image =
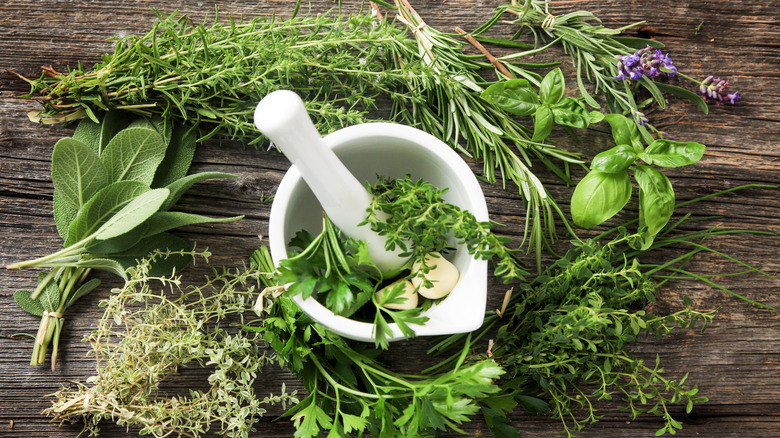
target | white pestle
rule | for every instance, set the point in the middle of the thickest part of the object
(281, 116)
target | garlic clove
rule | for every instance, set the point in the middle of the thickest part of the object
(410, 293)
(444, 277)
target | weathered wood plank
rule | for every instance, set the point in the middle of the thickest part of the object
(736, 362)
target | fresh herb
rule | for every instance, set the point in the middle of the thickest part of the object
(548, 106)
(416, 218)
(351, 392)
(114, 183)
(565, 339)
(213, 75)
(606, 189)
(152, 329)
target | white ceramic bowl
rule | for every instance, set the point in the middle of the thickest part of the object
(394, 151)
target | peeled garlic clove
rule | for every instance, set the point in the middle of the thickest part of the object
(409, 293)
(444, 277)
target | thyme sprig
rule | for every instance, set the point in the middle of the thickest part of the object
(152, 328)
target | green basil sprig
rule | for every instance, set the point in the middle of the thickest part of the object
(607, 188)
(547, 106)
(114, 182)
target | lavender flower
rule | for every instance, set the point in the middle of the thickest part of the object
(647, 61)
(714, 88)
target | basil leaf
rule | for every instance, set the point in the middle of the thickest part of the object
(103, 206)
(162, 266)
(571, 112)
(181, 185)
(167, 220)
(552, 87)
(656, 202)
(178, 157)
(134, 155)
(133, 214)
(515, 96)
(598, 197)
(669, 153)
(97, 135)
(624, 131)
(84, 289)
(76, 172)
(617, 159)
(33, 307)
(543, 123)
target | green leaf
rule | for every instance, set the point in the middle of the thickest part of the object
(119, 243)
(168, 220)
(353, 423)
(133, 214)
(98, 135)
(614, 160)
(156, 123)
(163, 266)
(134, 155)
(178, 157)
(181, 185)
(515, 96)
(598, 197)
(33, 307)
(103, 206)
(76, 172)
(50, 295)
(64, 214)
(552, 87)
(543, 123)
(532, 404)
(656, 202)
(84, 289)
(684, 93)
(624, 131)
(310, 420)
(669, 153)
(571, 112)
(104, 264)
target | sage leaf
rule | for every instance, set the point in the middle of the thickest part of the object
(599, 196)
(617, 159)
(133, 214)
(50, 295)
(669, 153)
(685, 93)
(167, 220)
(97, 135)
(119, 243)
(543, 123)
(156, 123)
(76, 171)
(181, 185)
(104, 264)
(552, 87)
(515, 96)
(33, 307)
(656, 202)
(64, 214)
(178, 157)
(84, 289)
(133, 155)
(103, 206)
(163, 265)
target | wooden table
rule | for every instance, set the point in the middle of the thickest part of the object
(736, 362)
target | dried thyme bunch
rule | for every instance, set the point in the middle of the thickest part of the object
(147, 334)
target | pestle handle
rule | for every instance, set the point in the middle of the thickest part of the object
(281, 116)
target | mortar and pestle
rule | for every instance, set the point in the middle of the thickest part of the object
(329, 174)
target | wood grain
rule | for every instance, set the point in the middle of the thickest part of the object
(736, 362)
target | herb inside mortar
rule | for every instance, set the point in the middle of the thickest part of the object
(114, 184)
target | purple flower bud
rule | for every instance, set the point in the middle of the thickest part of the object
(713, 88)
(647, 61)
